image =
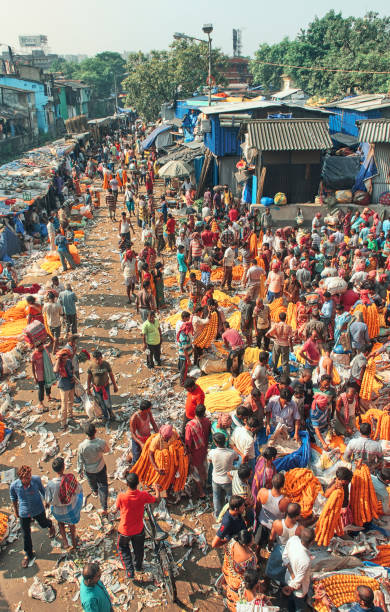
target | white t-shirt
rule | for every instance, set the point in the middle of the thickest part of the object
(243, 440)
(228, 258)
(205, 212)
(222, 460)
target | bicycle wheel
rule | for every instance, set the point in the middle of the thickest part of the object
(168, 576)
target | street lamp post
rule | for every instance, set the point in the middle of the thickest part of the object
(207, 29)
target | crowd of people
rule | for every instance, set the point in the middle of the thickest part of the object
(312, 302)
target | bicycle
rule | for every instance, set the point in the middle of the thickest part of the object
(162, 553)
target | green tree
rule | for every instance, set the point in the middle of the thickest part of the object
(98, 72)
(162, 76)
(352, 43)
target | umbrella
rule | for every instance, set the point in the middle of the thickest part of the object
(175, 169)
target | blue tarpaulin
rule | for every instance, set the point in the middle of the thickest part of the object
(9, 244)
(149, 140)
(297, 459)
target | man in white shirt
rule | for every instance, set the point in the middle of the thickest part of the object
(222, 460)
(296, 559)
(243, 441)
(228, 261)
(206, 212)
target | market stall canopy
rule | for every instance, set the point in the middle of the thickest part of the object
(174, 169)
(149, 140)
(185, 152)
(289, 134)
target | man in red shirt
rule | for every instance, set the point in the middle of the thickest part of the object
(195, 396)
(131, 525)
(171, 224)
(207, 239)
(233, 213)
(284, 383)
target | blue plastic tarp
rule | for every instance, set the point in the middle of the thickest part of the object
(9, 245)
(298, 459)
(149, 140)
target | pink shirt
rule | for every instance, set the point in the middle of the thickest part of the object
(311, 350)
(233, 338)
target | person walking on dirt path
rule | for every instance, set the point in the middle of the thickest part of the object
(68, 300)
(141, 424)
(145, 301)
(111, 204)
(63, 252)
(152, 340)
(26, 494)
(53, 312)
(125, 226)
(99, 376)
(65, 495)
(130, 272)
(90, 461)
(131, 505)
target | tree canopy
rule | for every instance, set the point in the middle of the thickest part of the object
(161, 76)
(98, 72)
(351, 43)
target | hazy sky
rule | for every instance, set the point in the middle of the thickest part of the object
(90, 26)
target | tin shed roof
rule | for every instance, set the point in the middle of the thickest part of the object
(289, 134)
(374, 130)
(363, 103)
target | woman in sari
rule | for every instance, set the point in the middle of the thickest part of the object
(33, 310)
(264, 471)
(65, 495)
(239, 557)
(197, 434)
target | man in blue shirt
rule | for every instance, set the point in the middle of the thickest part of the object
(63, 252)
(68, 301)
(93, 593)
(26, 494)
(327, 308)
(232, 522)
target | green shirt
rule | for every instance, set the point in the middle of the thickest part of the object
(95, 598)
(151, 333)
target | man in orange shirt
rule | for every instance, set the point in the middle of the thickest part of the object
(131, 525)
(195, 396)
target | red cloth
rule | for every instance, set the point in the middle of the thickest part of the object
(207, 238)
(68, 486)
(233, 214)
(274, 390)
(131, 506)
(193, 399)
(348, 299)
(171, 223)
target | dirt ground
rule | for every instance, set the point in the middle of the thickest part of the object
(102, 293)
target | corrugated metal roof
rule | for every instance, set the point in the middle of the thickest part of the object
(284, 93)
(362, 103)
(233, 107)
(289, 134)
(374, 130)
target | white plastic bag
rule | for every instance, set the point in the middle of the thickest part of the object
(91, 407)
